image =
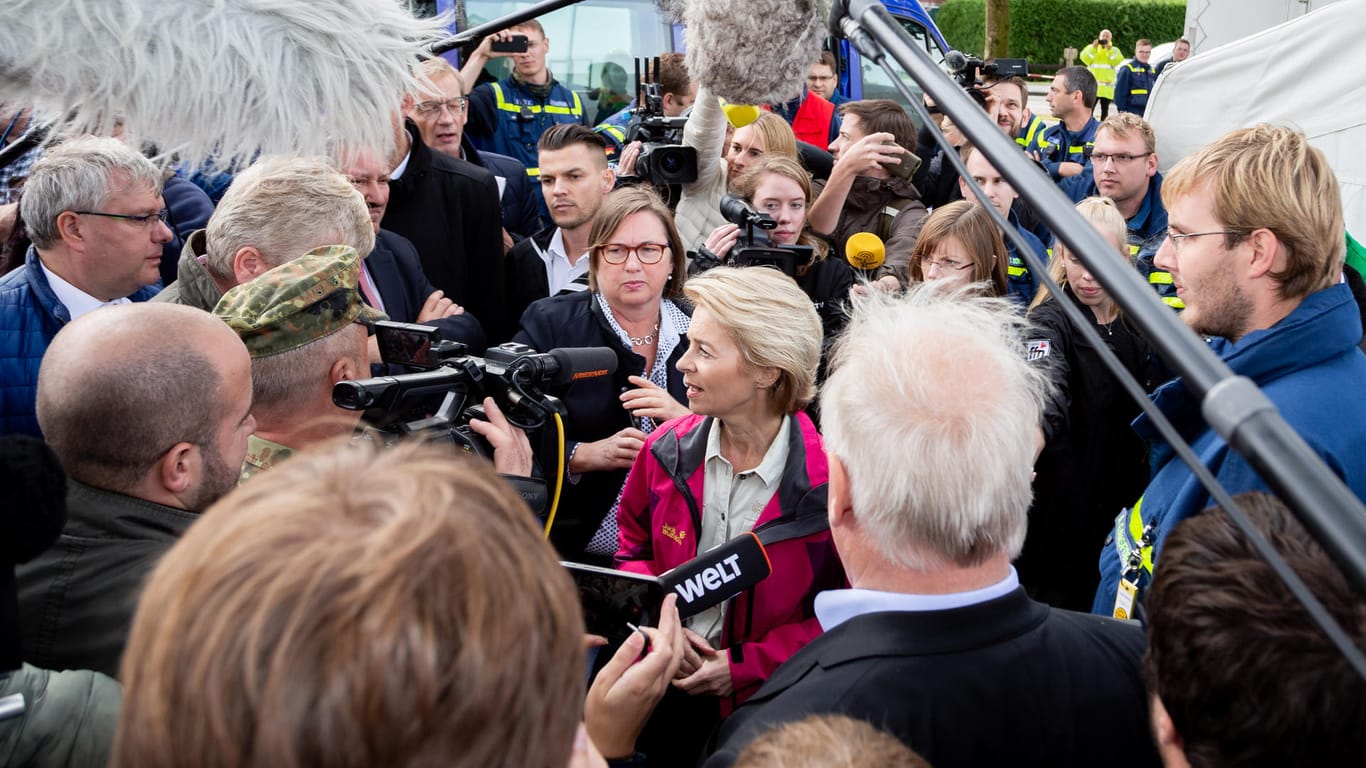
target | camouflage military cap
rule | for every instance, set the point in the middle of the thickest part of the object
(298, 302)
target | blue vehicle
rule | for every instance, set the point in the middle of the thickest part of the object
(594, 44)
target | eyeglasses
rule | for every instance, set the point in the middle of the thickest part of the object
(144, 219)
(1177, 240)
(945, 265)
(455, 106)
(1099, 158)
(647, 253)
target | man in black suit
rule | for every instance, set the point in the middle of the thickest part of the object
(449, 209)
(936, 642)
(392, 279)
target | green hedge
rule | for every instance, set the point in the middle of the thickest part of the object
(1041, 29)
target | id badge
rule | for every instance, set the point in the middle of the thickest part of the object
(1124, 599)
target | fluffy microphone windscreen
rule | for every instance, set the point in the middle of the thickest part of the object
(215, 78)
(756, 51)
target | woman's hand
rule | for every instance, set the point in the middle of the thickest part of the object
(722, 239)
(651, 401)
(713, 677)
(615, 452)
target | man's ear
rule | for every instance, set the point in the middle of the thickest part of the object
(406, 104)
(1268, 254)
(344, 369)
(70, 228)
(248, 264)
(1170, 745)
(609, 180)
(179, 468)
(839, 504)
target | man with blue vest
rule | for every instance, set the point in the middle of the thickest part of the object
(1136, 78)
(95, 214)
(1257, 255)
(1124, 168)
(508, 116)
(1064, 149)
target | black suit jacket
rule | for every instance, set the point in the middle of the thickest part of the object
(403, 288)
(522, 202)
(1008, 682)
(449, 209)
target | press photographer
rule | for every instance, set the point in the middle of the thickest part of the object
(668, 95)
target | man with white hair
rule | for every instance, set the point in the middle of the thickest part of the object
(936, 642)
(95, 214)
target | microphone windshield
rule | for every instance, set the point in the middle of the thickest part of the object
(955, 61)
(582, 363)
(865, 251)
(752, 53)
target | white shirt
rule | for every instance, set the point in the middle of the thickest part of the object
(559, 273)
(397, 173)
(731, 504)
(76, 301)
(836, 606)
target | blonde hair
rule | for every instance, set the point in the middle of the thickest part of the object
(1126, 124)
(972, 226)
(1104, 215)
(772, 322)
(1270, 177)
(405, 611)
(828, 741)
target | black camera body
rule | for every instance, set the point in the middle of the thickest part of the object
(663, 160)
(755, 247)
(970, 70)
(449, 387)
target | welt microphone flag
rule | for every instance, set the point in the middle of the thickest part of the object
(718, 574)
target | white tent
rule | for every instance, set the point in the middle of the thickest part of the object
(1309, 73)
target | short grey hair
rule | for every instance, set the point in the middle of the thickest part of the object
(772, 321)
(933, 409)
(289, 380)
(80, 175)
(285, 207)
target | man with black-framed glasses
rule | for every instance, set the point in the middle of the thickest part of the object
(94, 212)
(1124, 168)
(1255, 250)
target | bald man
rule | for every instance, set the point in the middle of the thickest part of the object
(152, 428)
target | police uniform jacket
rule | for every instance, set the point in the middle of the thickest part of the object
(508, 118)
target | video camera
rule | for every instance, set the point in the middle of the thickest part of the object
(663, 159)
(440, 399)
(967, 71)
(755, 247)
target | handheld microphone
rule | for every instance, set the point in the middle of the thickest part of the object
(865, 251)
(718, 575)
(758, 56)
(569, 364)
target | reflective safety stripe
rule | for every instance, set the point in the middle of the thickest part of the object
(1138, 91)
(533, 172)
(1017, 271)
(1160, 278)
(502, 103)
(1133, 249)
(612, 131)
(1174, 302)
(1136, 531)
(1028, 138)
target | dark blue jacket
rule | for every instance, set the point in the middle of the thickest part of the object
(522, 203)
(1310, 367)
(1057, 145)
(403, 287)
(595, 410)
(188, 209)
(1133, 86)
(1020, 279)
(507, 118)
(30, 315)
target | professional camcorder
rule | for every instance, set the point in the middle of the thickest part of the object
(663, 159)
(449, 389)
(755, 247)
(969, 70)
